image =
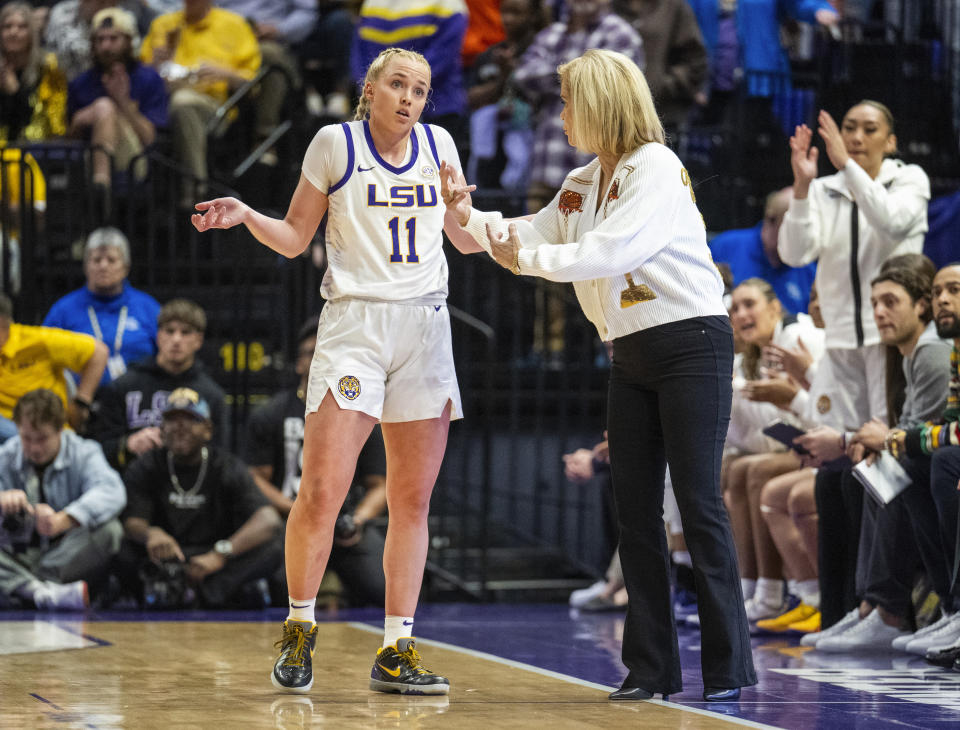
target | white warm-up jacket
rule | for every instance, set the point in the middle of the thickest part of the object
(892, 219)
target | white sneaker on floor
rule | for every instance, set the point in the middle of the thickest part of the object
(843, 624)
(867, 634)
(901, 643)
(947, 634)
(584, 595)
(758, 610)
(70, 596)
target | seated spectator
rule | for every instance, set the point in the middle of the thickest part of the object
(928, 451)
(788, 506)
(787, 502)
(902, 535)
(194, 510)
(35, 357)
(676, 59)
(760, 322)
(752, 252)
(589, 25)
(325, 58)
(119, 103)
(204, 53)
(60, 503)
(33, 90)
(279, 26)
(33, 94)
(501, 124)
(111, 310)
(274, 453)
(68, 29)
(130, 409)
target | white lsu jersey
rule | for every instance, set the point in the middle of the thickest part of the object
(384, 224)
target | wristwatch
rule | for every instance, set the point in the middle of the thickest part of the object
(223, 547)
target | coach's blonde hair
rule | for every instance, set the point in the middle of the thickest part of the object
(377, 67)
(612, 108)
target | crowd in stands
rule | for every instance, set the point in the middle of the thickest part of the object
(116, 479)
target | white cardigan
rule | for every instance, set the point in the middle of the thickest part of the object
(646, 233)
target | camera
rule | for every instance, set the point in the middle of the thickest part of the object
(18, 527)
(164, 584)
(345, 528)
(15, 522)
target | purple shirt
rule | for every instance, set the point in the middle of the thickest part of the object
(146, 88)
(536, 76)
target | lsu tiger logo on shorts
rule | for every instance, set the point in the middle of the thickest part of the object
(349, 387)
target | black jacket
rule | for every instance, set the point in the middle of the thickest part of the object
(136, 400)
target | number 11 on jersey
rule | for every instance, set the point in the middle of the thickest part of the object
(411, 226)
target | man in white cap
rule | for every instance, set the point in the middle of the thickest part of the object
(119, 103)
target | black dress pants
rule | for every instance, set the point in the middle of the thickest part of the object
(669, 403)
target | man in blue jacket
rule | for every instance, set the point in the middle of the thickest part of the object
(59, 502)
(752, 252)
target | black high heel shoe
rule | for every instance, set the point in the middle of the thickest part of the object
(718, 694)
(633, 693)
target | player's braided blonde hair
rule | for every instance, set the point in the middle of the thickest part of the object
(376, 68)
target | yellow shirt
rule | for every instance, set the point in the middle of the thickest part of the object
(35, 357)
(221, 38)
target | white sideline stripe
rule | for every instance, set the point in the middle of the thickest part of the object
(566, 677)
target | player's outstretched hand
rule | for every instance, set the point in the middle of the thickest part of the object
(219, 213)
(455, 192)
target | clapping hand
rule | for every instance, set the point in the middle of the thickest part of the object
(833, 140)
(803, 158)
(794, 363)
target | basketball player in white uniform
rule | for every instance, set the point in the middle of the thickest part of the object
(383, 349)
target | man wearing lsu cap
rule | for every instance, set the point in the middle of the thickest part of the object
(195, 505)
(119, 103)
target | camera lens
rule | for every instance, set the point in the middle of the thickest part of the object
(14, 522)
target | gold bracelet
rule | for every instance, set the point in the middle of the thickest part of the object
(515, 269)
(892, 442)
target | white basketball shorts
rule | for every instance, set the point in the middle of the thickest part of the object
(391, 361)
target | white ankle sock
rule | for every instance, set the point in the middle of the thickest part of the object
(301, 610)
(808, 591)
(396, 627)
(769, 591)
(749, 587)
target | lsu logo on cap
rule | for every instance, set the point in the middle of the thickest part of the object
(349, 387)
